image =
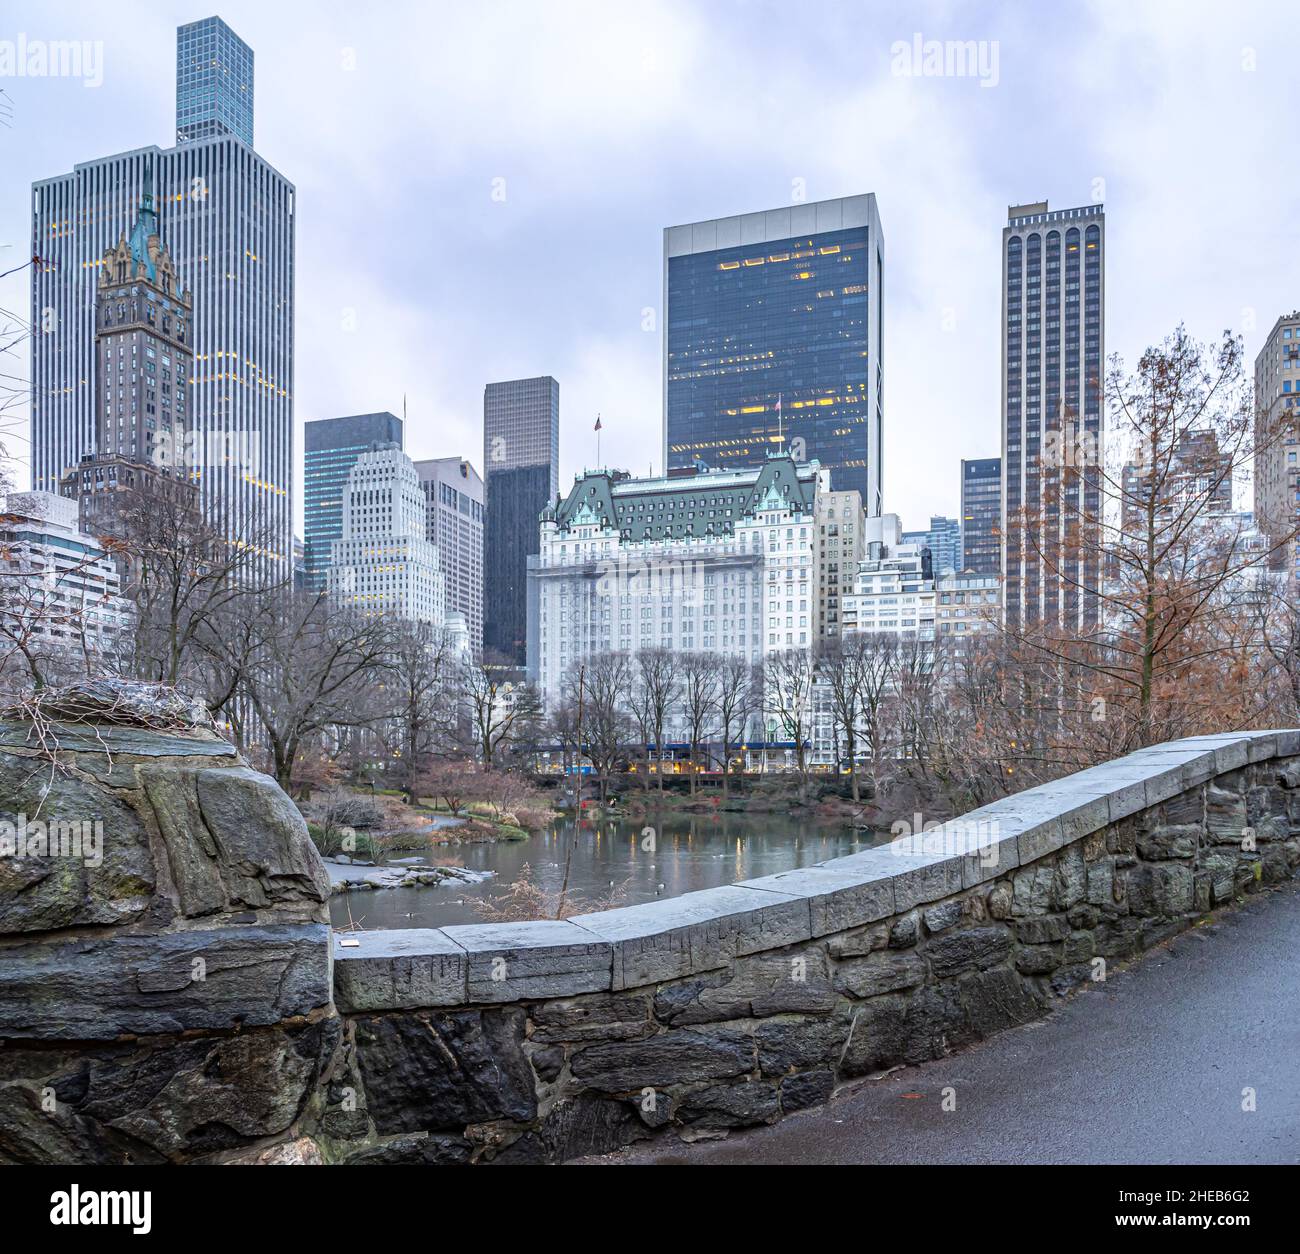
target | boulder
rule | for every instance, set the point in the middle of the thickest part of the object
(167, 966)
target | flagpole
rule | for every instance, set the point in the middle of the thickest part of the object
(598, 466)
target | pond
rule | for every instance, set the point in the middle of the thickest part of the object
(691, 852)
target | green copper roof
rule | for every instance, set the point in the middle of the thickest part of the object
(146, 224)
(693, 506)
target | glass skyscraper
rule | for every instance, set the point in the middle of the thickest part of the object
(214, 82)
(228, 218)
(521, 458)
(780, 306)
(981, 515)
(1053, 355)
(943, 539)
(331, 447)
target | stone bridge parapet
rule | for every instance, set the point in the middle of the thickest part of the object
(179, 997)
(737, 1005)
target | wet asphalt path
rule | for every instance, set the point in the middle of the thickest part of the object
(1149, 1068)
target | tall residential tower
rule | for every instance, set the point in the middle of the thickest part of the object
(214, 82)
(981, 515)
(1277, 443)
(1053, 355)
(453, 499)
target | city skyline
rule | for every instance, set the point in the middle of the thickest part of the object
(365, 320)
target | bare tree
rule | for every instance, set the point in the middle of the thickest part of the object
(503, 713)
(607, 683)
(421, 675)
(699, 702)
(655, 694)
(787, 701)
(739, 691)
(186, 579)
(455, 782)
(1163, 573)
(847, 666)
(306, 668)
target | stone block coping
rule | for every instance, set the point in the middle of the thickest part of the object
(703, 931)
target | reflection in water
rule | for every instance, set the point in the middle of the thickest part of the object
(691, 852)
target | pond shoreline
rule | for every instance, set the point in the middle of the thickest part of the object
(589, 858)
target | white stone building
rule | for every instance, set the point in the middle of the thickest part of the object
(896, 592)
(453, 494)
(384, 564)
(723, 562)
(59, 589)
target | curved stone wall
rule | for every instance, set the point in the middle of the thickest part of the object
(171, 994)
(734, 1006)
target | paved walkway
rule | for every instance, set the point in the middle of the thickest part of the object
(1148, 1068)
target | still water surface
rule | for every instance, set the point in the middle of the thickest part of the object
(692, 852)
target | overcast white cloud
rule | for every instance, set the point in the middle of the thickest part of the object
(609, 121)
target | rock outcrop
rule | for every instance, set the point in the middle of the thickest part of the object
(165, 972)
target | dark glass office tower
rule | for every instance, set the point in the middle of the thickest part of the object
(331, 447)
(214, 82)
(781, 306)
(981, 515)
(1053, 354)
(521, 458)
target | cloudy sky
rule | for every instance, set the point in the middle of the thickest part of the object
(608, 121)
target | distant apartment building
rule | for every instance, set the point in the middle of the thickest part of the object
(893, 591)
(943, 539)
(841, 529)
(384, 564)
(1277, 443)
(1053, 361)
(454, 508)
(981, 515)
(772, 341)
(331, 447)
(967, 604)
(59, 589)
(521, 466)
(229, 219)
(899, 593)
(1195, 470)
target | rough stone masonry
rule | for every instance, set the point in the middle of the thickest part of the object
(735, 1006)
(176, 1002)
(173, 1002)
